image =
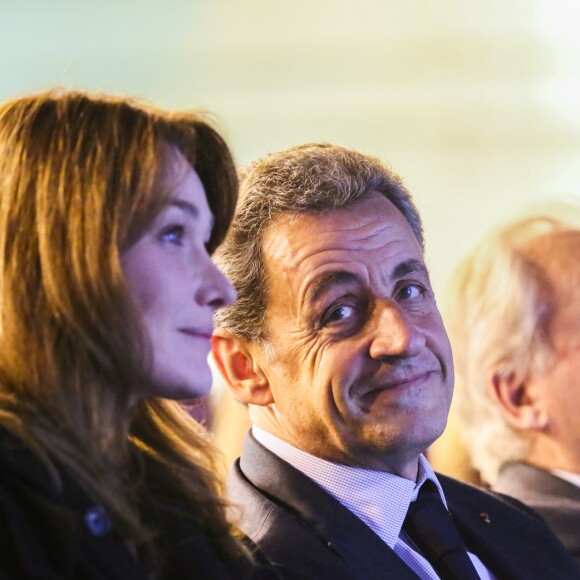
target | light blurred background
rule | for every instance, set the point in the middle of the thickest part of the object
(475, 104)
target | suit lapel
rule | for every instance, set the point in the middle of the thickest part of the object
(489, 525)
(361, 549)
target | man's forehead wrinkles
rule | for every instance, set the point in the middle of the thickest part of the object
(293, 254)
(281, 234)
(338, 222)
(291, 257)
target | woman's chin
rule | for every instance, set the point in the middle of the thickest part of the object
(195, 386)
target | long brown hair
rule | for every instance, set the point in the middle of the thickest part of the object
(77, 186)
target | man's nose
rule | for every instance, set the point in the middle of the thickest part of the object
(395, 333)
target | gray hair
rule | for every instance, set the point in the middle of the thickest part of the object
(313, 178)
(497, 317)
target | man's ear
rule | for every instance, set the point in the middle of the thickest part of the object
(519, 404)
(238, 365)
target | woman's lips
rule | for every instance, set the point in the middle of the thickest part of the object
(204, 333)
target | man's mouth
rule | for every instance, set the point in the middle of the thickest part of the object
(398, 381)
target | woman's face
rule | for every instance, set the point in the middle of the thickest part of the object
(176, 286)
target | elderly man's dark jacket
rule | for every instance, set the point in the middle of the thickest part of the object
(555, 499)
(297, 524)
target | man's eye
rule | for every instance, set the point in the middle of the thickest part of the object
(410, 291)
(338, 313)
(173, 234)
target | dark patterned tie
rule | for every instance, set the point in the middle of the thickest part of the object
(430, 526)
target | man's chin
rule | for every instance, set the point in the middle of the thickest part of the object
(408, 441)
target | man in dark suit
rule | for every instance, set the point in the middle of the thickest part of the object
(515, 328)
(337, 346)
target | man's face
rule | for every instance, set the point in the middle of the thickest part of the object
(558, 389)
(359, 364)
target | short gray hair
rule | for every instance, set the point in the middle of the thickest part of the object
(313, 178)
(497, 313)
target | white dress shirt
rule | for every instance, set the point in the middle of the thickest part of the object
(380, 499)
(573, 478)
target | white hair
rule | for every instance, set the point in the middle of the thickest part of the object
(496, 313)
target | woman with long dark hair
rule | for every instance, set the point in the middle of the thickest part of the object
(109, 211)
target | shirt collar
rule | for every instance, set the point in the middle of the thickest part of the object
(378, 498)
(573, 478)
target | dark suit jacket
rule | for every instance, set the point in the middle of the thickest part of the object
(555, 499)
(44, 535)
(296, 523)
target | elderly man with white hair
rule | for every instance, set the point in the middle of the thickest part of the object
(515, 329)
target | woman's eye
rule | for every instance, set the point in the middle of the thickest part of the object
(410, 291)
(173, 234)
(339, 313)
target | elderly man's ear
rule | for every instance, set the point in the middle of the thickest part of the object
(240, 368)
(519, 402)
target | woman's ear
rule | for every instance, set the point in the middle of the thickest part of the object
(239, 367)
(519, 404)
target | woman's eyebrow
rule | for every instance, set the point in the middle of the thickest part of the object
(191, 210)
(185, 206)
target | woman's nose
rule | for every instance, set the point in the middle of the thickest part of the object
(215, 289)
